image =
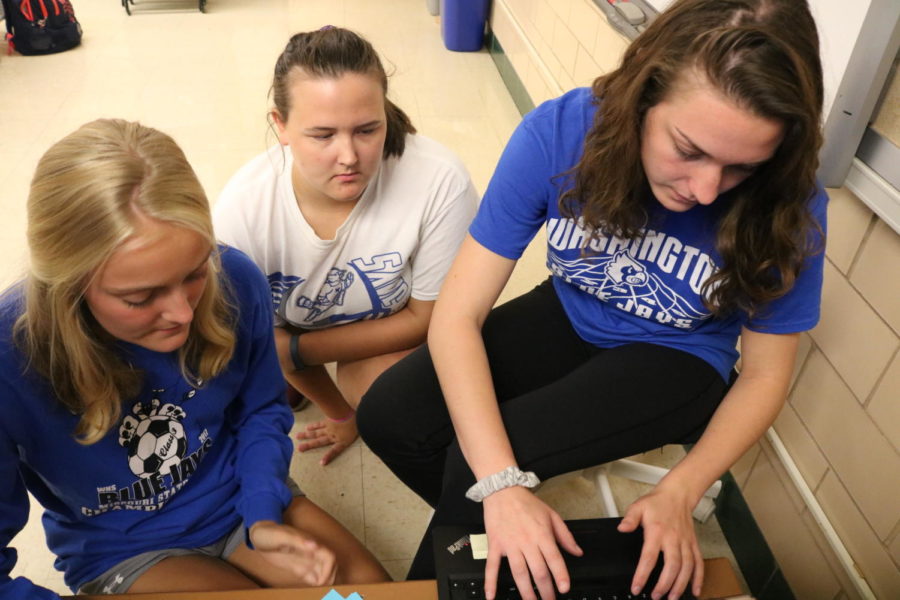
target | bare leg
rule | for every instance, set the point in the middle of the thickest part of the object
(315, 383)
(355, 563)
(353, 380)
(354, 377)
(192, 573)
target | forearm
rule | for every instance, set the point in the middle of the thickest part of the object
(257, 414)
(402, 330)
(460, 360)
(741, 419)
(744, 415)
(457, 350)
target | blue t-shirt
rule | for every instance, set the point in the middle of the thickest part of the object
(624, 291)
(181, 468)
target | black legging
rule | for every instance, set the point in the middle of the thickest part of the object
(566, 405)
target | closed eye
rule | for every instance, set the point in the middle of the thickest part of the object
(746, 169)
(139, 303)
(687, 154)
(200, 273)
(369, 128)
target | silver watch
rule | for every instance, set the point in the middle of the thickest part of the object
(508, 477)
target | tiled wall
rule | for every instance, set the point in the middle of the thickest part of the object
(555, 45)
(887, 122)
(842, 421)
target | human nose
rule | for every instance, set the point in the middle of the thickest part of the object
(347, 154)
(177, 307)
(705, 183)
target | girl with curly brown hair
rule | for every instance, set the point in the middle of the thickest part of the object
(682, 214)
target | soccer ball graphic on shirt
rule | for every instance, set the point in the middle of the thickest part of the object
(154, 437)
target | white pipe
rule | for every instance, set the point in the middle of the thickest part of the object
(609, 502)
(651, 474)
(819, 515)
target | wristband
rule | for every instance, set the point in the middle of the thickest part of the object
(294, 346)
(342, 419)
(508, 477)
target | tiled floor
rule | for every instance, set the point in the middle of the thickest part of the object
(204, 79)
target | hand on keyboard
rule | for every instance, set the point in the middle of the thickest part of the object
(525, 530)
(665, 514)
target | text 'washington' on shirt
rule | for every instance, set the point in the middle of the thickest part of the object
(618, 291)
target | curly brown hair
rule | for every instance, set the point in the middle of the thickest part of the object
(764, 56)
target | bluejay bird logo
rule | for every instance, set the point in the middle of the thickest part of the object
(622, 278)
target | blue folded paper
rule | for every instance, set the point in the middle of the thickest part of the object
(334, 595)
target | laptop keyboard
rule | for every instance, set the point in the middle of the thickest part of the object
(473, 589)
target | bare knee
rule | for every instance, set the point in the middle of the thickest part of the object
(354, 378)
(355, 563)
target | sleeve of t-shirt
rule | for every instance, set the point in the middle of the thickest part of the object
(229, 222)
(798, 310)
(515, 204)
(442, 231)
(261, 417)
(13, 516)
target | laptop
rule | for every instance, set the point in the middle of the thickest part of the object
(604, 572)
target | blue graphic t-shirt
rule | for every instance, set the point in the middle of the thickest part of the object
(622, 291)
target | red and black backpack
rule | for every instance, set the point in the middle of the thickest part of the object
(40, 26)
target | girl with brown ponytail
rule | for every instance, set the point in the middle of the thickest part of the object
(355, 220)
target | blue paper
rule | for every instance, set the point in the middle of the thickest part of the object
(334, 595)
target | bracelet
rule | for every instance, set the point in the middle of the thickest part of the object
(298, 363)
(508, 477)
(342, 419)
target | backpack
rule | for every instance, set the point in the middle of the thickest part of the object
(40, 26)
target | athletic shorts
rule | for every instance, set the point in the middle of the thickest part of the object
(120, 578)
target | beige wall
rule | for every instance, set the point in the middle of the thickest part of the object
(555, 45)
(842, 422)
(887, 121)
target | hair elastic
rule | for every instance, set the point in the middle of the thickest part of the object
(343, 419)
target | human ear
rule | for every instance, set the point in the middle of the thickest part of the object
(280, 126)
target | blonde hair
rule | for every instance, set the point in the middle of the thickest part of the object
(84, 197)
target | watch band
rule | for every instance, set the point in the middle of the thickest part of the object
(294, 347)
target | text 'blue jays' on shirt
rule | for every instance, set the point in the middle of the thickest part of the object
(182, 467)
(623, 291)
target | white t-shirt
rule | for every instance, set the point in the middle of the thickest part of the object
(398, 241)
